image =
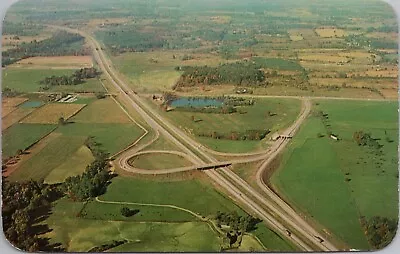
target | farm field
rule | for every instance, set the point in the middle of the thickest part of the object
(55, 62)
(92, 85)
(14, 117)
(258, 117)
(159, 161)
(48, 159)
(74, 165)
(21, 136)
(51, 113)
(102, 111)
(27, 80)
(337, 182)
(112, 137)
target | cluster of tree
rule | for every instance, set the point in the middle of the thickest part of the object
(234, 135)
(236, 222)
(240, 73)
(365, 139)
(210, 109)
(60, 44)
(8, 92)
(76, 78)
(237, 101)
(93, 182)
(24, 203)
(380, 231)
(126, 212)
(107, 246)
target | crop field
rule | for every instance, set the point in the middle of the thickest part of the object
(9, 104)
(112, 137)
(74, 165)
(257, 117)
(27, 80)
(14, 117)
(21, 136)
(327, 32)
(50, 113)
(102, 111)
(159, 161)
(337, 182)
(55, 62)
(49, 158)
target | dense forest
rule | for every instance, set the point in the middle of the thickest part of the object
(76, 78)
(240, 73)
(24, 205)
(62, 43)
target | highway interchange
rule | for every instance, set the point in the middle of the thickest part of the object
(268, 206)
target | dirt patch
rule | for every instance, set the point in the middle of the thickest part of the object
(14, 117)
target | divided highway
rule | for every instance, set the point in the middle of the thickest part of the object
(273, 211)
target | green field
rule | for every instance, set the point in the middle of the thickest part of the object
(159, 161)
(314, 169)
(27, 80)
(21, 136)
(90, 85)
(101, 211)
(74, 165)
(79, 234)
(271, 240)
(49, 158)
(180, 193)
(112, 137)
(256, 118)
(278, 63)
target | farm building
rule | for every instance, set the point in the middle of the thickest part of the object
(333, 136)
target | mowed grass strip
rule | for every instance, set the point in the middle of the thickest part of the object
(51, 113)
(102, 111)
(78, 234)
(190, 194)
(73, 166)
(50, 157)
(27, 80)
(156, 161)
(21, 136)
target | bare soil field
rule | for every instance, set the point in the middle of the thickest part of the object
(318, 57)
(13, 40)
(8, 104)
(50, 113)
(53, 62)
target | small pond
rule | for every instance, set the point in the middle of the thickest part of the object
(31, 104)
(196, 102)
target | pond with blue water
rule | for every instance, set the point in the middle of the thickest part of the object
(31, 104)
(196, 102)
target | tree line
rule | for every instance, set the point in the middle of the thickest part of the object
(94, 181)
(235, 135)
(380, 231)
(60, 44)
(76, 78)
